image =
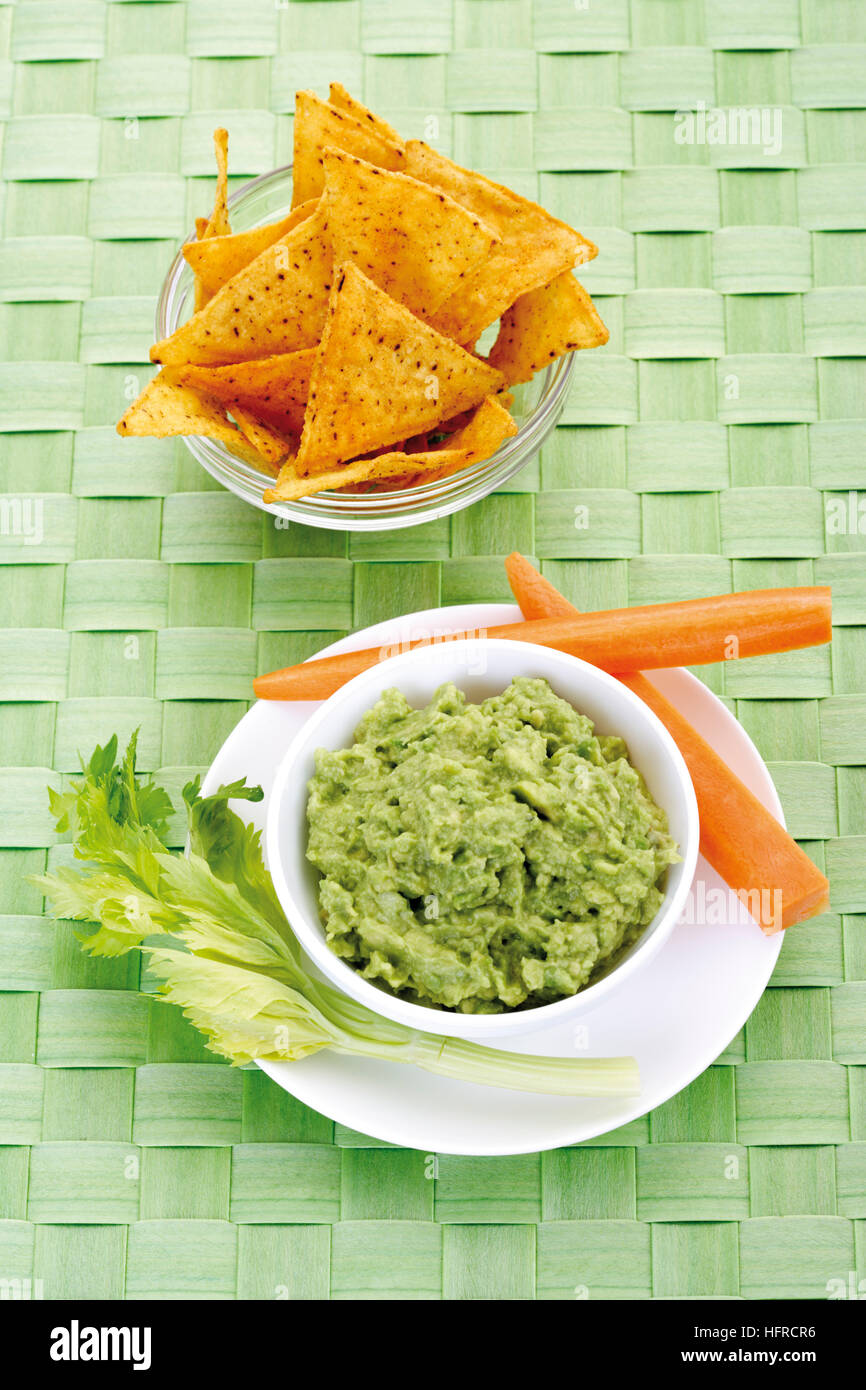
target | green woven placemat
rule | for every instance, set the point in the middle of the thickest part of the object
(716, 443)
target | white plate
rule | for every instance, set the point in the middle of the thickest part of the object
(675, 1018)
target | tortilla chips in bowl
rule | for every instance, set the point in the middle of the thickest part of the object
(370, 338)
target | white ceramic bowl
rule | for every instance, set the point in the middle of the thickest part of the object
(480, 667)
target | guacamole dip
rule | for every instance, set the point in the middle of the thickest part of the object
(483, 857)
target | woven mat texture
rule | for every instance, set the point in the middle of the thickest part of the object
(717, 444)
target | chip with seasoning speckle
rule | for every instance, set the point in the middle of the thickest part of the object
(381, 375)
(534, 245)
(273, 446)
(166, 407)
(362, 474)
(412, 240)
(275, 388)
(542, 325)
(215, 259)
(277, 304)
(318, 126)
(338, 96)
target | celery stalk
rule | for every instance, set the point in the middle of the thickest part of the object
(214, 935)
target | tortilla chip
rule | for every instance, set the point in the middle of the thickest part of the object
(381, 375)
(216, 259)
(489, 424)
(275, 389)
(411, 240)
(394, 466)
(218, 223)
(515, 219)
(338, 96)
(476, 440)
(276, 304)
(319, 125)
(534, 245)
(482, 298)
(544, 324)
(166, 407)
(273, 446)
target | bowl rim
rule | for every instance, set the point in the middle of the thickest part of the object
(425, 501)
(480, 1027)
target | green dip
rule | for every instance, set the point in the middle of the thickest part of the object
(483, 857)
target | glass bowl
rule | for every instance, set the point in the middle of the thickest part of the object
(537, 407)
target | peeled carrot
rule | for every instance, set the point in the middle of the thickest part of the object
(690, 633)
(742, 840)
(536, 596)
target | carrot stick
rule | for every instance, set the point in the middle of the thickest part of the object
(536, 596)
(621, 639)
(743, 841)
